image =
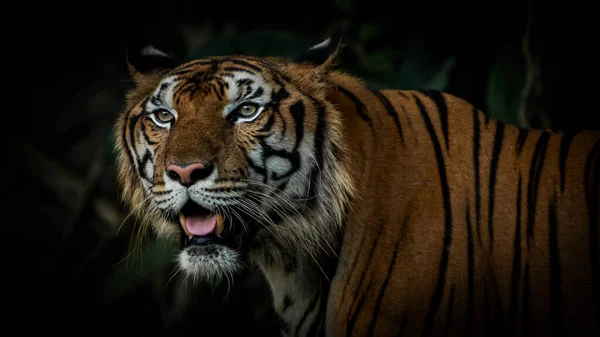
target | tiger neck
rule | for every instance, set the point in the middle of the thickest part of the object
(300, 277)
(300, 288)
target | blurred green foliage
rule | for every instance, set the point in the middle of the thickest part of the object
(138, 267)
(258, 43)
(379, 69)
(506, 81)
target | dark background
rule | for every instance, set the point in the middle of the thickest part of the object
(72, 266)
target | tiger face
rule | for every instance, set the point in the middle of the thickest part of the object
(229, 155)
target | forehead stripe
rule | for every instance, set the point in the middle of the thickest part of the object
(246, 64)
(188, 67)
(259, 92)
(238, 69)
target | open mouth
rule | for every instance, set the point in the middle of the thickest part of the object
(202, 227)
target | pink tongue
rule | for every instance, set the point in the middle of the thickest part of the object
(201, 225)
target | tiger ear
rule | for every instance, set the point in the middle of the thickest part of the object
(324, 53)
(147, 60)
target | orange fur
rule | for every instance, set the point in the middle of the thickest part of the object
(408, 264)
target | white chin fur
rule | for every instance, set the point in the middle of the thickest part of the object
(214, 263)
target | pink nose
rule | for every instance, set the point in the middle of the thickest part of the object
(188, 174)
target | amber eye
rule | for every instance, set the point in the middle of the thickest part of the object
(163, 116)
(247, 109)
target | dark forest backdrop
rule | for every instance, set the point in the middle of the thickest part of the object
(73, 266)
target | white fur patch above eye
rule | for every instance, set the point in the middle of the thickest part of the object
(152, 51)
(162, 98)
(238, 90)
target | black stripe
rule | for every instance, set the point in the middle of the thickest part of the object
(436, 299)
(311, 307)
(287, 302)
(367, 265)
(403, 94)
(126, 144)
(221, 86)
(260, 60)
(238, 69)
(497, 308)
(329, 265)
(486, 309)
(565, 144)
(147, 157)
(375, 315)
(146, 135)
(214, 65)
(440, 103)
(402, 105)
(528, 323)
(523, 133)
(132, 122)
(556, 324)
(268, 124)
(246, 64)
(403, 324)
(516, 267)
(259, 92)
(359, 305)
(592, 193)
(188, 67)
(493, 170)
(487, 118)
(391, 111)
(319, 133)
(359, 106)
(283, 325)
(535, 173)
(353, 268)
(315, 328)
(476, 158)
(244, 81)
(318, 148)
(297, 111)
(470, 274)
(203, 61)
(312, 192)
(448, 322)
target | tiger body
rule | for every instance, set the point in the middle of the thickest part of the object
(371, 213)
(481, 228)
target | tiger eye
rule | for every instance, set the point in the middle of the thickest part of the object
(248, 109)
(164, 116)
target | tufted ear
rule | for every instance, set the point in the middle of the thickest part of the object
(324, 53)
(146, 60)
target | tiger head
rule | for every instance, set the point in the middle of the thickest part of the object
(237, 157)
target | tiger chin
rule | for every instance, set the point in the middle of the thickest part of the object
(370, 212)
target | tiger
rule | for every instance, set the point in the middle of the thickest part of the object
(369, 212)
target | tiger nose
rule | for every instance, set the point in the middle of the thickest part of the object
(188, 174)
